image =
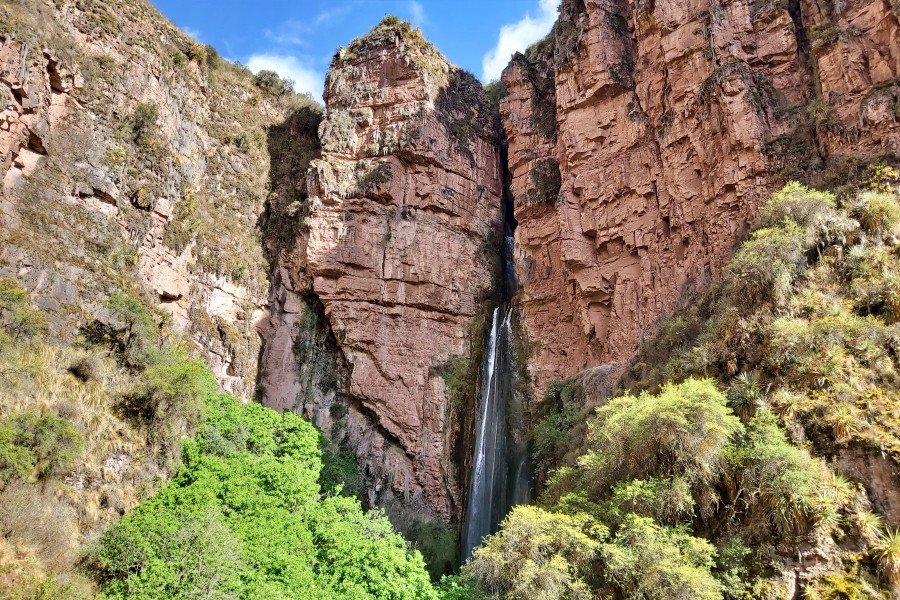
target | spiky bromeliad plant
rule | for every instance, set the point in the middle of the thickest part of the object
(887, 552)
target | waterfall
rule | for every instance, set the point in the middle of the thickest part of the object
(500, 474)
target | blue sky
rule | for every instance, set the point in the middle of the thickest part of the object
(297, 38)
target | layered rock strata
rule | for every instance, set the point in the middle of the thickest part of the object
(669, 123)
(132, 159)
(403, 213)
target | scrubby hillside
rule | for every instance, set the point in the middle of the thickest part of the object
(134, 158)
(756, 453)
(92, 432)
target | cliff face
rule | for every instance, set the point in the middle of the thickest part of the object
(132, 159)
(394, 251)
(672, 122)
(643, 136)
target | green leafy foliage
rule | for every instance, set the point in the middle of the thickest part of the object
(656, 468)
(244, 518)
(878, 213)
(552, 430)
(681, 431)
(130, 329)
(439, 545)
(168, 399)
(646, 560)
(33, 445)
(818, 340)
(803, 331)
(17, 317)
(537, 554)
(273, 83)
(771, 480)
(768, 263)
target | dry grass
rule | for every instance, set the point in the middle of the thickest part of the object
(49, 520)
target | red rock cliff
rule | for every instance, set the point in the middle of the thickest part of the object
(402, 210)
(644, 135)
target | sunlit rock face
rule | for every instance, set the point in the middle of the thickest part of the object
(403, 215)
(645, 135)
(88, 207)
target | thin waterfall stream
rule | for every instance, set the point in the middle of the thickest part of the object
(500, 467)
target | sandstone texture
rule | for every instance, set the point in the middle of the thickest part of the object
(131, 160)
(672, 123)
(403, 210)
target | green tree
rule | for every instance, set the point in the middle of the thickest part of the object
(244, 518)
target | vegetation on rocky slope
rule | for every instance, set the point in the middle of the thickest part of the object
(711, 486)
(91, 432)
(169, 156)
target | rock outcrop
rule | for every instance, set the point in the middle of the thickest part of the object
(402, 216)
(132, 159)
(643, 137)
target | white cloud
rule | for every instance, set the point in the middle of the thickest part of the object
(290, 32)
(306, 79)
(417, 13)
(516, 37)
(294, 31)
(194, 33)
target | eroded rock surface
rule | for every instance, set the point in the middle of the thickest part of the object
(131, 160)
(672, 123)
(402, 214)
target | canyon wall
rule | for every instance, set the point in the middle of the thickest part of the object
(644, 136)
(132, 159)
(402, 215)
(351, 262)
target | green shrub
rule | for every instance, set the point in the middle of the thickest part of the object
(143, 124)
(456, 587)
(646, 560)
(878, 213)
(37, 445)
(439, 545)
(243, 518)
(744, 396)
(213, 60)
(16, 460)
(804, 206)
(537, 554)
(188, 554)
(130, 330)
(47, 588)
(887, 553)
(169, 399)
(496, 91)
(551, 433)
(197, 53)
(360, 556)
(273, 83)
(772, 480)
(16, 315)
(666, 500)
(679, 432)
(340, 473)
(766, 266)
(814, 211)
